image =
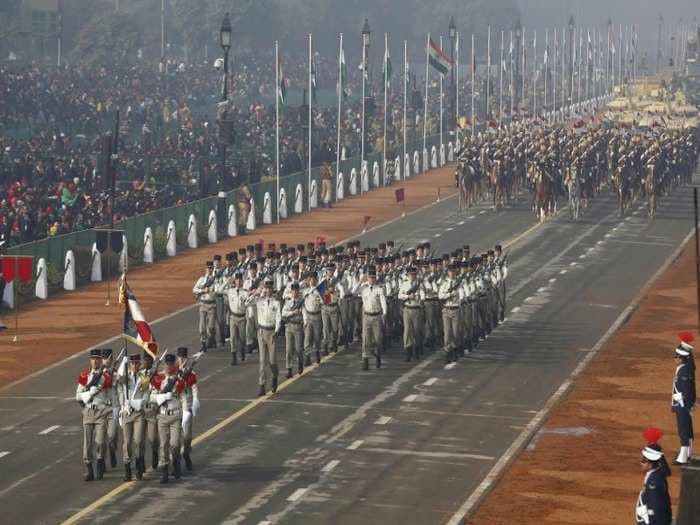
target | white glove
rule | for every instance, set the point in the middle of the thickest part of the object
(643, 513)
(115, 415)
(678, 398)
(195, 406)
(168, 396)
(94, 390)
(186, 417)
(136, 404)
(85, 397)
(162, 398)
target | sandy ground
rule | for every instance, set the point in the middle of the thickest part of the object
(583, 467)
(68, 323)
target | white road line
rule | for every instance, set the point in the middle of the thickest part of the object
(50, 429)
(430, 382)
(600, 242)
(410, 398)
(383, 420)
(355, 444)
(482, 212)
(591, 248)
(552, 280)
(563, 272)
(450, 366)
(527, 299)
(4, 453)
(265, 523)
(471, 217)
(541, 289)
(436, 235)
(515, 310)
(573, 263)
(449, 229)
(330, 465)
(298, 493)
(582, 256)
(419, 453)
(608, 235)
(461, 223)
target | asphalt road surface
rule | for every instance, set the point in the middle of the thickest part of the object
(405, 444)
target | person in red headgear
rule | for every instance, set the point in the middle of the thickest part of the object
(683, 396)
(653, 503)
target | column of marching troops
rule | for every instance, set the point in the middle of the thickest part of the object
(315, 299)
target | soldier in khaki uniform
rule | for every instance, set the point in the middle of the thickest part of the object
(150, 415)
(411, 294)
(168, 390)
(374, 312)
(293, 329)
(238, 299)
(326, 185)
(269, 317)
(133, 395)
(206, 298)
(94, 393)
(450, 293)
(313, 325)
(330, 310)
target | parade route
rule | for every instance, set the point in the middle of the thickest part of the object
(405, 444)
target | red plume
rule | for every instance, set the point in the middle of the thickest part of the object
(652, 435)
(686, 337)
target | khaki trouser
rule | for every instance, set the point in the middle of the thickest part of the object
(133, 427)
(450, 323)
(371, 335)
(431, 321)
(501, 289)
(169, 429)
(187, 436)
(312, 333)
(294, 343)
(94, 432)
(150, 412)
(330, 316)
(411, 327)
(268, 354)
(357, 315)
(221, 318)
(207, 321)
(326, 191)
(251, 327)
(237, 327)
(112, 435)
(243, 212)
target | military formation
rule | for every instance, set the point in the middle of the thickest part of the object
(575, 164)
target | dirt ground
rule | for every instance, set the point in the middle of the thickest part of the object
(68, 323)
(583, 467)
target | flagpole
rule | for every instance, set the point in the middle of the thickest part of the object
(364, 81)
(441, 79)
(580, 60)
(277, 121)
(405, 107)
(456, 66)
(500, 84)
(386, 90)
(340, 102)
(546, 68)
(488, 75)
(311, 91)
(534, 76)
(563, 71)
(524, 73)
(511, 89)
(554, 73)
(473, 82)
(425, 108)
(588, 59)
(620, 74)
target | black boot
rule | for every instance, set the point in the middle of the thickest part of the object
(307, 360)
(234, 359)
(379, 360)
(113, 458)
(455, 354)
(289, 373)
(202, 348)
(249, 349)
(325, 351)
(140, 469)
(154, 456)
(89, 474)
(274, 384)
(176, 469)
(300, 366)
(318, 357)
(242, 355)
(100, 469)
(448, 356)
(261, 392)
(365, 364)
(408, 354)
(188, 461)
(127, 471)
(164, 474)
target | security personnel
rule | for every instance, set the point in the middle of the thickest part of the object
(221, 315)
(653, 503)
(682, 403)
(112, 442)
(374, 310)
(313, 325)
(431, 304)
(450, 293)
(330, 310)
(411, 294)
(168, 391)
(150, 414)
(293, 329)
(204, 292)
(191, 404)
(502, 263)
(238, 299)
(269, 319)
(94, 394)
(133, 395)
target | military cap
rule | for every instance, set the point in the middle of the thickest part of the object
(466, 248)
(182, 351)
(268, 283)
(283, 246)
(405, 253)
(452, 266)
(271, 245)
(231, 256)
(106, 352)
(426, 245)
(135, 358)
(238, 275)
(300, 247)
(445, 256)
(372, 270)
(295, 267)
(330, 266)
(490, 252)
(373, 249)
(209, 264)
(217, 257)
(332, 250)
(412, 269)
(390, 244)
(498, 247)
(169, 359)
(96, 352)
(295, 286)
(322, 244)
(310, 245)
(382, 246)
(241, 251)
(250, 248)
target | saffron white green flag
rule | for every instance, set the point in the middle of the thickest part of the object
(439, 60)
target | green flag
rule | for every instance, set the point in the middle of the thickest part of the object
(343, 75)
(387, 68)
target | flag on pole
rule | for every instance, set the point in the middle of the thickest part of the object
(439, 60)
(282, 88)
(136, 329)
(343, 74)
(546, 55)
(313, 80)
(590, 47)
(387, 68)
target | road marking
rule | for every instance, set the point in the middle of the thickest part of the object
(471, 217)
(450, 366)
(449, 229)
(536, 422)
(298, 493)
(410, 398)
(436, 235)
(430, 382)
(608, 235)
(482, 212)
(541, 289)
(600, 242)
(582, 256)
(419, 453)
(330, 465)
(461, 223)
(553, 280)
(355, 444)
(4, 453)
(383, 420)
(563, 272)
(515, 310)
(591, 248)
(527, 299)
(573, 263)
(50, 429)
(265, 523)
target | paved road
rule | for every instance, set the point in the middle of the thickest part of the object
(405, 444)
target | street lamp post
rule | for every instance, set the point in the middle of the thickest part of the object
(453, 105)
(366, 34)
(225, 41)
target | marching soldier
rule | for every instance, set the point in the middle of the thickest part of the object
(653, 503)
(94, 393)
(221, 316)
(150, 415)
(293, 329)
(450, 293)
(431, 305)
(313, 325)
(206, 298)
(374, 311)
(411, 295)
(168, 390)
(502, 264)
(133, 396)
(269, 317)
(330, 310)
(682, 400)
(191, 406)
(238, 299)
(112, 442)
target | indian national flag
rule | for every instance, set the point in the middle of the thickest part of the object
(387, 68)
(342, 85)
(282, 88)
(438, 59)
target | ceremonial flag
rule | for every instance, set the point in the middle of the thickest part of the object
(387, 67)
(282, 88)
(343, 74)
(313, 80)
(136, 328)
(439, 60)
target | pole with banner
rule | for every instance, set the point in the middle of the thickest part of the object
(488, 75)
(473, 84)
(387, 65)
(278, 92)
(341, 87)
(456, 108)
(405, 106)
(425, 105)
(500, 83)
(442, 76)
(312, 96)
